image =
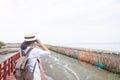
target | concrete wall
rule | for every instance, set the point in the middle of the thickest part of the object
(102, 59)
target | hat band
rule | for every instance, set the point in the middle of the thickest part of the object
(29, 37)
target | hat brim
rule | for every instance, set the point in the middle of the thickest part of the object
(33, 39)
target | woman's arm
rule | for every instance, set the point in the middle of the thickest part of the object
(42, 45)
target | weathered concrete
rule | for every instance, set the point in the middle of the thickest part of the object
(9, 48)
(7, 51)
(12, 45)
(105, 59)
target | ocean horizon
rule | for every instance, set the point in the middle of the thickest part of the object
(98, 46)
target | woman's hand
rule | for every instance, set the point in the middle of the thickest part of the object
(38, 41)
(42, 45)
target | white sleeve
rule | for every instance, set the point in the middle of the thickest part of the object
(46, 52)
(42, 52)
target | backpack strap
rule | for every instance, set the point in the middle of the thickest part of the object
(41, 70)
(42, 74)
(27, 53)
(34, 67)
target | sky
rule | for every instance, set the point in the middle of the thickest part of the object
(60, 21)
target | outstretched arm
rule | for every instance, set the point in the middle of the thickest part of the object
(42, 45)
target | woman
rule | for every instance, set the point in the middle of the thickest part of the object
(33, 71)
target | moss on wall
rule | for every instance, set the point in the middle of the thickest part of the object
(102, 59)
(2, 43)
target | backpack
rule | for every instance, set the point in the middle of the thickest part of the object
(20, 66)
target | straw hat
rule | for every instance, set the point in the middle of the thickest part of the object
(29, 37)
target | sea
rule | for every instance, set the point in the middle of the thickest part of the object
(115, 47)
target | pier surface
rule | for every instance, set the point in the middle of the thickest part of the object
(58, 66)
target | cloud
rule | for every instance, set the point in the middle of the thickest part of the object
(58, 21)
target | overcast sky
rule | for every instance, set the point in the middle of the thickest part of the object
(60, 21)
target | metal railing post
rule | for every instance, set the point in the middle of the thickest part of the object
(9, 67)
(5, 71)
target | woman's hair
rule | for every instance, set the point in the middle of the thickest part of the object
(25, 44)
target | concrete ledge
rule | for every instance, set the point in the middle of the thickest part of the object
(102, 59)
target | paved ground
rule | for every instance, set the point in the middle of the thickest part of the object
(11, 77)
(59, 67)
